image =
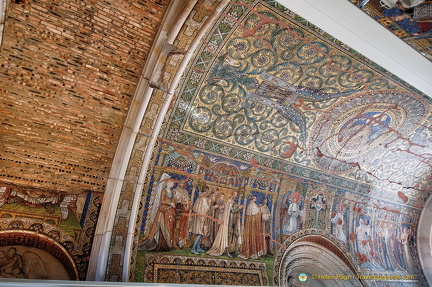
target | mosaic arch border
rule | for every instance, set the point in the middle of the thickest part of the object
(134, 219)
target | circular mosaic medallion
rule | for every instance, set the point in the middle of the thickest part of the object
(362, 127)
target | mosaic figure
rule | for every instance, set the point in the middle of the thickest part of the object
(267, 217)
(183, 204)
(365, 244)
(64, 205)
(27, 266)
(221, 242)
(234, 236)
(11, 265)
(409, 20)
(253, 245)
(214, 218)
(362, 130)
(339, 223)
(319, 205)
(291, 214)
(162, 218)
(199, 224)
(405, 237)
(383, 254)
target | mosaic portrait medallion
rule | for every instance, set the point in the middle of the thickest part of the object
(363, 127)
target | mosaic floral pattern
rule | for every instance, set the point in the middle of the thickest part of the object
(234, 102)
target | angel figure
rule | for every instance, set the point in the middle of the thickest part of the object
(159, 237)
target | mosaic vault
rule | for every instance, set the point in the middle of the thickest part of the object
(279, 141)
(278, 125)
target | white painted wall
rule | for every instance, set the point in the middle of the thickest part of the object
(3, 5)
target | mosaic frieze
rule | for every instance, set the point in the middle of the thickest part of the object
(205, 206)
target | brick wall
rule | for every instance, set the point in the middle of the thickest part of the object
(68, 72)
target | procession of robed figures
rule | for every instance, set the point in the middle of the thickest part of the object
(377, 241)
(215, 223)
(218, 221)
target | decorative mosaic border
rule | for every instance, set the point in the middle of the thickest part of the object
(188, 270)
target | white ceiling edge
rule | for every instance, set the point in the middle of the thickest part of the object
(3, 4)
(355, 28)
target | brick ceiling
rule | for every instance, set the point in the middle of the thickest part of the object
(69, 70)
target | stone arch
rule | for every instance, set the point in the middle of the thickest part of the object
(424, 240)
(318, 254)
(136, 148)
